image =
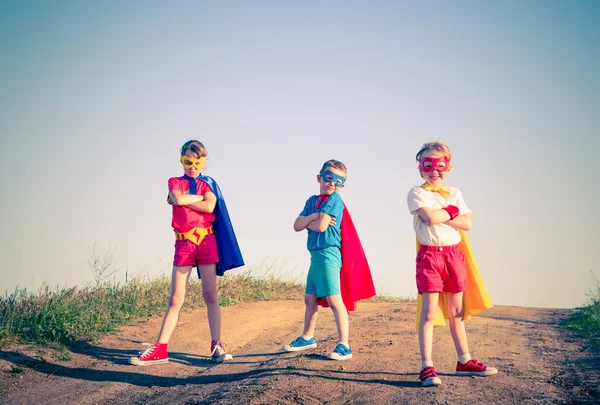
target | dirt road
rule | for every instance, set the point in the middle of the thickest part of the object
(538, 362)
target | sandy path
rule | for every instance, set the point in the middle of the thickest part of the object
(539, 362)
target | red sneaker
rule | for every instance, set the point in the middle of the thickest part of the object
(473, 367)
(429, 377)
(218, 351)
(154, 354)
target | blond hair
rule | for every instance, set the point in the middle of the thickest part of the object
(437, 146)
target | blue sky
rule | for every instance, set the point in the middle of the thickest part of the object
(98, 98)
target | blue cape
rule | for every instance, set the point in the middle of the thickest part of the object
(230, 255)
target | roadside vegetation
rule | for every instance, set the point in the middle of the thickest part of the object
(586, 320)
(60, 316)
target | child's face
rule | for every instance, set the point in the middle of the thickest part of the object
(191, 164)
(331, 180)
(438, 170)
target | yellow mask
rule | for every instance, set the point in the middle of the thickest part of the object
(189, 162)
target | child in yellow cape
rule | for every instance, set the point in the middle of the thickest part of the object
(475, 298)
(448, 280)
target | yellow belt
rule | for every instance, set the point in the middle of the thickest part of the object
(195, 235)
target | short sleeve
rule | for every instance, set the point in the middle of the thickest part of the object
(460, 203)
(416, 199)
(334, 206)
(305, 212)
(176, 183)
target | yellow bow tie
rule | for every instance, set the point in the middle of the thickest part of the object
(441, 190)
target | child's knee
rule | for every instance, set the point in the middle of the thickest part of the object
(455, 308)
(429, 316)
(310, 300)
(456, 312)
(176, 301)
(335, 303)
(210, 296)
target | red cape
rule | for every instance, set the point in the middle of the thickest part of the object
(356, 282)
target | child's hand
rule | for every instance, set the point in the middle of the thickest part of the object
(452, 210)
(332, 222)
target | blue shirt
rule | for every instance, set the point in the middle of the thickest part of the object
(331, 237)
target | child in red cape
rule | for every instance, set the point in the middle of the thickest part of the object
(339, 274)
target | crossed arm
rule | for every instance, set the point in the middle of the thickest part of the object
(434, 217)
(316, 221)
(202, 203)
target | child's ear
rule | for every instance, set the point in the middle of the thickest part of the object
(318, 178)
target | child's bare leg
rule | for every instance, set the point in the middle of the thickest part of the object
(341, 317)
(179, 280)
(311, 313)
(457, 326)
(307, 340)
(429, 308)
(208, 275)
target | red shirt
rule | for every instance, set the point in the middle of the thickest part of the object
(185, 218)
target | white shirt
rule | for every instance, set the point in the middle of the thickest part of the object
(439, 234)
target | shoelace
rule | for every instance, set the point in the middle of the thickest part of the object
(299, 340)
(476, 363)
(429, 373)
(219, 350)
(343, 350)
(149, 350)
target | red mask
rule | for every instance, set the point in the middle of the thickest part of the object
(428, 164)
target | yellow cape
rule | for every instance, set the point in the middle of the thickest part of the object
(475, 298)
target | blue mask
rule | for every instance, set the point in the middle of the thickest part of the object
(330, 177)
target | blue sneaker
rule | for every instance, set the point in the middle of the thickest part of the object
(341, 352)
(300, 344)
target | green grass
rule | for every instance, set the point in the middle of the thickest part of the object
(63, 316)
(586, 320)
(58, 317)
(15, 370)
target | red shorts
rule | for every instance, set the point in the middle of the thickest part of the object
(187, 253)
(441, 269)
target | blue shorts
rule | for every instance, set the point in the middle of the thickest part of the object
(323, 278)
